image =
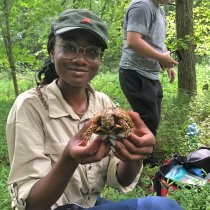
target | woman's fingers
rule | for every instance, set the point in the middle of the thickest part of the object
(139, 144)
(126, 154)
(138, 122)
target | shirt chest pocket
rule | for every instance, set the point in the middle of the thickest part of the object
(53, 150)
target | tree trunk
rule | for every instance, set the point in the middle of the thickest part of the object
(8, 45)
(185, 33)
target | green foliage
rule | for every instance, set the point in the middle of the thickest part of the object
(109, 83)
(201, 38)
(194, 198)
(4, 163)
(202, 28)
(30, 26)
(179, 111)
(112, 194)
(5, 198)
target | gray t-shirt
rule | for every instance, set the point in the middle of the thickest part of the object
(147, 18)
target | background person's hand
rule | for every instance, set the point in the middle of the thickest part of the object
(167, 61)
(140, 143)
(171, 75)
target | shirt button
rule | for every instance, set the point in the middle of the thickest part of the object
(93, 189)
(88, 197)
(89, 168)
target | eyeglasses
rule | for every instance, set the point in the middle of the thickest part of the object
(70, 50)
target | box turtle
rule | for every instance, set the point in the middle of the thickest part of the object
(111, 123)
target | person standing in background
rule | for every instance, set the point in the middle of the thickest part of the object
(144, 56)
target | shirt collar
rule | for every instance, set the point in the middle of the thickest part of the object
(58, 107)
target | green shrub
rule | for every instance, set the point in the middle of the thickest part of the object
(4, 162)
(194, 198)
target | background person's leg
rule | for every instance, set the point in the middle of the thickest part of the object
(144, 96)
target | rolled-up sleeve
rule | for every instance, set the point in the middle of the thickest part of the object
(112, 179)
(25, 139)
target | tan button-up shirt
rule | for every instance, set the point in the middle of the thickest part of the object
(36, 136)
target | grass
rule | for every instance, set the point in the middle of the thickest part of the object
(4, 163)
(177, 113)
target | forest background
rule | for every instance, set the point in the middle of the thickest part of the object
(24, 27)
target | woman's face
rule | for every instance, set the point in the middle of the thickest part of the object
(74, 66)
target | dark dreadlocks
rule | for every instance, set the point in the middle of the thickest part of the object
(48, 70)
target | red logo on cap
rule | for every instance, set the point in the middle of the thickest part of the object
(86, 21)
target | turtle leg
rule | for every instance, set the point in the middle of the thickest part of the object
(91, 129)
(126, 128)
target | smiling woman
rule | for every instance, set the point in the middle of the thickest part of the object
(52, 166)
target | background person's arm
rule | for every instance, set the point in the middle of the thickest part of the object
(136, 42)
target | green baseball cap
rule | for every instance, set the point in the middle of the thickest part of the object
(72, 19)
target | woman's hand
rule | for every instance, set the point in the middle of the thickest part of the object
(140, 143)
(133, 150)
(84, 152)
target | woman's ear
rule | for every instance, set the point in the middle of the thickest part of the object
(52, 56)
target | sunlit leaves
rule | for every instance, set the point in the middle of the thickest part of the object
(201, 39)
(30, 24)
